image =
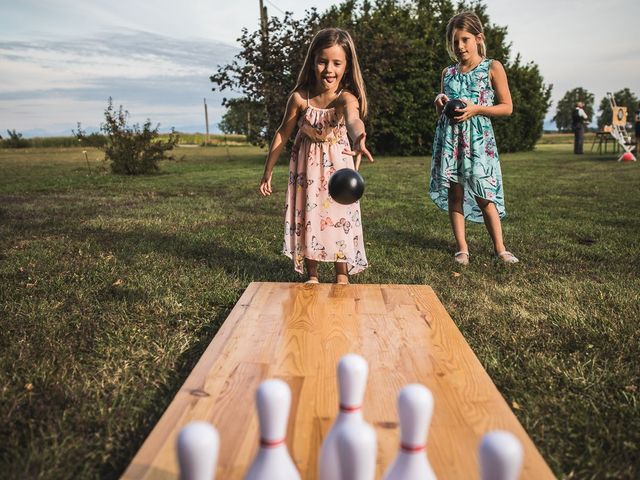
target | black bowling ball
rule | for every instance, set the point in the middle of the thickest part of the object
(451, 106)
(346, 186)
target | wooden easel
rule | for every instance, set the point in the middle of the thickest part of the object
(619, 127)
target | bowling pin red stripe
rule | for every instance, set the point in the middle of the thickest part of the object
(271, 443)
(412, 448)
(350, 408)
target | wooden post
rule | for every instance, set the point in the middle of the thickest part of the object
(263, 21)
(264, 50)
(206, 122)
(248, 124)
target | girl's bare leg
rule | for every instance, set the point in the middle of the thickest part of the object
(312, 270)
(342, 276)
(492, 222)
(456, 217)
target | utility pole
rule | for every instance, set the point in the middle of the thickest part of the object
(206, 122)
(264, 50)
(263, 22)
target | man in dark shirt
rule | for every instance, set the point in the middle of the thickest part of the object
(578, 118)
(637, 125)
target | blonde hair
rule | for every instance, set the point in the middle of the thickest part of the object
(352, 79)
(469, 22)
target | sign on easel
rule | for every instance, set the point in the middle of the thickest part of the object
(619, 116)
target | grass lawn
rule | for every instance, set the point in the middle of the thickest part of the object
(112, 287)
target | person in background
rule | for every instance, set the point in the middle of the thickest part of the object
(637, 125)
(578, 120)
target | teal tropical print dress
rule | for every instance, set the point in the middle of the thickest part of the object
(466, 152)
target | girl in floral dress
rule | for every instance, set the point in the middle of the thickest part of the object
(326, 105)
(465, 170)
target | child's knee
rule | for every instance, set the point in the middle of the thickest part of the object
(484, 204)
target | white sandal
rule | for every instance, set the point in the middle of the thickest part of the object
(461, 257)
(313, 280)
(507, 257)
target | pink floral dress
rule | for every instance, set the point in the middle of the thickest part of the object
(316, 227)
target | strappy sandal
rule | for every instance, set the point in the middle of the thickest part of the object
(507, 257)
(313, 280)
(344, 282)
(461, 257)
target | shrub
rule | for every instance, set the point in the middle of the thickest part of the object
(15, 140)
(130, 149)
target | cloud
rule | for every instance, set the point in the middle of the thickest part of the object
(54, 84)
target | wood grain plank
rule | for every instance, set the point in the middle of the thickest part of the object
(298, 332)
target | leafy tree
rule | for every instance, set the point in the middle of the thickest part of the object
(401, 47)
(264, 72)
(15, 140)
(623, 98)
(564, 109)
(244, 117)
(133, 150)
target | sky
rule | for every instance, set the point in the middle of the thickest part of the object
(60, 60)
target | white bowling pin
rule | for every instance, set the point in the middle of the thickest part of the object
(357, 450)
(197, 446)
(501, 456)
(415, 408)
(352, 380)
(273, 400)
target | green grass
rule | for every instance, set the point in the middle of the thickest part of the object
(561, 138)
(214, 139)
(184, 139)
(112, 287)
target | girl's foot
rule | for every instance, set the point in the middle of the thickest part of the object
(342, 279)
(312, 279)
(461, 257)
(507, 257)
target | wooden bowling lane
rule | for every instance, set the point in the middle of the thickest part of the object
(298, 332)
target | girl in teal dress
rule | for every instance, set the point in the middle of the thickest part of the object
(465, 171)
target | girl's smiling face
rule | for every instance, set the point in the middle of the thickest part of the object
(329, 66)
(465, 45)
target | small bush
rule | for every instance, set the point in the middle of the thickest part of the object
(15, 140)
(130, 149)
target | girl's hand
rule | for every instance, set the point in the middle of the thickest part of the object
(358, 150)
(471, 110)
(265, 185)
(440, 100)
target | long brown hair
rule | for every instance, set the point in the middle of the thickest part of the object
(352, 79)
(469, 22)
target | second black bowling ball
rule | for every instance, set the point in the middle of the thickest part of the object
(451, 106)
(346, 186)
